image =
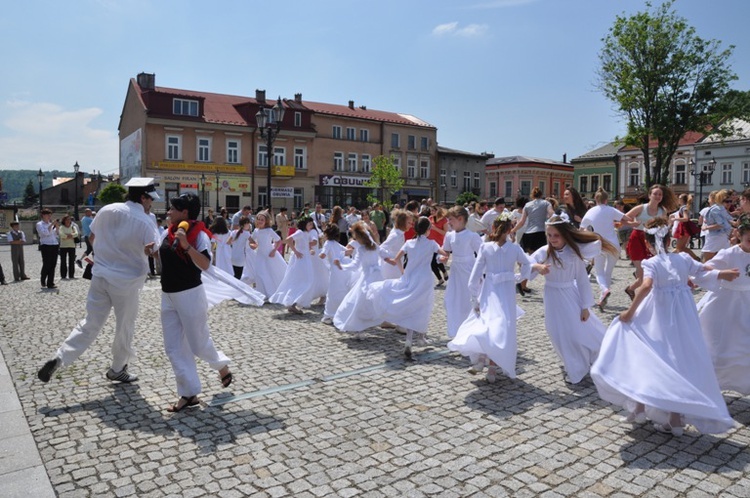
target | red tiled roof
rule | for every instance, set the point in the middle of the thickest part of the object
(688, 138)
(358, 112)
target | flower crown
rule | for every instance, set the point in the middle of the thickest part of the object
(744, 222)
(563, 219)
(504, 216)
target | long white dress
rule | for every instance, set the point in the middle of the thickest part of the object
(297, 284)
(340, 280)
(660, 358)
(408, 300)
(725, 320)
(602, 220)
(269, 270)
(356, 312)
(567, 291)
(463, 246)
(389, 248)
(492, 331)
(224, 252)
(321, 272)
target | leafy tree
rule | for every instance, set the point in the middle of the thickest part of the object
(113, 192)
(666, 81)
(386, 178)
(30, 194)
(466, 197)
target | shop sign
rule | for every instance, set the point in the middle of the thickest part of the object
(282, 192)
(343, 181)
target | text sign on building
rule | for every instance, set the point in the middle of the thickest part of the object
(343, 181)
(282, 192)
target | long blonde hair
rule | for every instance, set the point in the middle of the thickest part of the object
(573, 237)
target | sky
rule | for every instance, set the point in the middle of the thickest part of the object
(509, 77)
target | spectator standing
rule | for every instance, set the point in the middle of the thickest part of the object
(68, 233)
(49, 245)
(378, 217)
(17, 239)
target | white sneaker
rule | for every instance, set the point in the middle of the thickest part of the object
(668, 429)
(492, 374)
(478, 366)
(327, 320)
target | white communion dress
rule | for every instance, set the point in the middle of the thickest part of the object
(224, 252)
(464, 247)
(321, 271)
(340, 280)
(660, 358)
(356, 312)
(389, 248)
(269, 270)
(297, 285)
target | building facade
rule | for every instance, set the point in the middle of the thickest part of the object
(209, 144)
(515, 176)
(731, 161)
(460, 171)
(597, 168)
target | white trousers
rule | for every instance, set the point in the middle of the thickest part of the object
(604, 264)
(122, 295)
(184, 324)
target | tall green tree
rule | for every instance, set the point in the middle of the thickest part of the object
(386, 178)
(665, 81)
(113, 192)
(30, 194)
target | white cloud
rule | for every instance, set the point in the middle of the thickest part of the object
(44, 135)
(452, 29)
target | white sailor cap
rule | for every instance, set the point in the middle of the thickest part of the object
(144, 184)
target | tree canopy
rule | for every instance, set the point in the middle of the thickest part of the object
(113, 192)
(665, 81)
(386, 178)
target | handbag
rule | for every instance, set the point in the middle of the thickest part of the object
(692, 228)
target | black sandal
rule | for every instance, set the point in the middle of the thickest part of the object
(191, 401)
(226, 380)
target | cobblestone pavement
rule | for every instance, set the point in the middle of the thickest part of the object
(313, 412)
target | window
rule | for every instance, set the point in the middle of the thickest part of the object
(526, 187)
(364, 135)
(395, 140)
(299, 158)
(635, 177)
(204, 150)
(679, 174)
(299, 198)
(493, 189)
(467, 181)
(443, 178)
(174, 147)
(366, 163)
(233, 151)
(338, 161)
(279, 156)
(352, 162)
(425, 143)
(182, 107)
(424, 169)
(476, 180)
(297, 119)
(351, 133)
(262, 196)
(411, 167)
(726, 173)
(594, 183)
(607, 183)
(412, 142)
(583, 183)
(262, 158)
(746, 174)
(336, 131)
(556, 189)
(396, 162)
(543, 187)
(508, 188)
(454, 179)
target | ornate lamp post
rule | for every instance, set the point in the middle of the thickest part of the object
(40, 176)
(203, 196)
(75, 190)
(701, 177)
(218, 209)
(269, 124)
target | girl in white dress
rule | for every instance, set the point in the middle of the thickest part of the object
(223, 249)
(725, 315)
(490, 332)
(574, 331)
(463, 246)
(407, 301)
(321, 272)
(296, 289)
(402, 221)
(239, 244)
(653, 361)
(269, 264)
(339, 279)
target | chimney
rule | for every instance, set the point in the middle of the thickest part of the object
(298, 98)
(351, 104)
(363, 107)
(260, 95)
(565, 158)
(147, 81)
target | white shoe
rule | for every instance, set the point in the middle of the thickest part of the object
(422, 340)
(668, 429)
(401, 330)
(492, 374)
(635, 418)
(327, 320)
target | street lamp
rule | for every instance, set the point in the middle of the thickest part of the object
(203, 196)
(40, 176)
(701, 176)
(218, 210)
(269, 124)
(75, 190)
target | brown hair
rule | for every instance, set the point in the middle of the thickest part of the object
(536, 193)
(721, 195)
(668, 200)
(400, 218)
(659, 221)
(459, 212)
(361, 234)
(499, 228)
(601, 196)
(573, 237)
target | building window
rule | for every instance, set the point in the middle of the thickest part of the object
(299, 198)
(556, 189)
(635, 177)
(233, 151)
(526, 187)
(183, 107)
(467, 181)
(454, 178)
(726, 173)
(508, 188)
(594, 183)
(338, 161)
(174, 147)
(262, 196)
(279, 156)
(396, 162)
(351, 133)
(607, 183)
(679, 174)
(476, 180)
(366, 163)
(299, 158)
(443, 178)
(583, 184)
(412, 142)
(395, 140)
(364, 135)
(204, 150)
(262, 156)
(352, 161)
(425, 142)
(746, 174)
(411, 167)
(493, 189)
(297, 119)
(424, 169)
(336, 131)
